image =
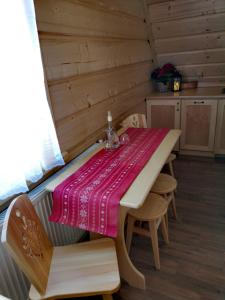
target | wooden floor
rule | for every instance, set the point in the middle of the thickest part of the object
(192, 265)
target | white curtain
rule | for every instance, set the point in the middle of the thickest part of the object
(28, 142)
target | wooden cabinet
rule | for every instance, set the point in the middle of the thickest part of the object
(220, 129)
(164, 114)
(198, 124)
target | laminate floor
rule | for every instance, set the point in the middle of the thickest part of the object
(192, 265)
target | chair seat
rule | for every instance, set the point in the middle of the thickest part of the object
(164, 184)
(170, 158)
(87, 268)
(154, 207)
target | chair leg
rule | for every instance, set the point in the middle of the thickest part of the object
(166, 215)
(130, 227)
(173, 202)
(171, 169)
(166, 220)
(155, 244)
(165, 229)
(107, 297)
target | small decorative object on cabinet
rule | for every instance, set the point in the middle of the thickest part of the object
(176, 84)
(166, 78)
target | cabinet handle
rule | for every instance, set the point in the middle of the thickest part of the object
(199, 102)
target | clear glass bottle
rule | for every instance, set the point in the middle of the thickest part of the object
(112, 141)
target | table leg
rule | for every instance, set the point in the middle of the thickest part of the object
(127, 270)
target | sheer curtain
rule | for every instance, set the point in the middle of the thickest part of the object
(28, 142)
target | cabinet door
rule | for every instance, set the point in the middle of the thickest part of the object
(220, 128)
(198, 121)
(164, 114)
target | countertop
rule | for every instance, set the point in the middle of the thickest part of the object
(206, 92)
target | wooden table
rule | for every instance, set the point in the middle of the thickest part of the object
(134, 198)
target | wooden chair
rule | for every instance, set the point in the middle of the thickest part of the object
(139, 121)
(169, 162)
(165, 185)
(153, 211)
(135, 121)
(76, 270)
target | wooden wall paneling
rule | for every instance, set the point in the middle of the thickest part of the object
(191, 43)
(184, 8)
(189, 26)
(155, 1)
(70, 18)
(191, 35)
(202, 70)
(193, 57)
(84, 91)
(132, 7)
(97, 57)
(150, 34)
(83, 124)
(211, 81)
(140, 109)
(66, 57)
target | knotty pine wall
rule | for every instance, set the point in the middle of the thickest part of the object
(97, 57)
(191, 35)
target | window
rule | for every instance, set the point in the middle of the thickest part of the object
(28, 141)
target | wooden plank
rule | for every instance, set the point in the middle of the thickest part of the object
(70, 18)
(202, 70)
(193, 57)
(190, 43)
(184, 8)
(150, 34)
(211, 81)
(149, 2)
(66, 57)
(82, 92)
(131, 7)
(189, 26)
(74, 130)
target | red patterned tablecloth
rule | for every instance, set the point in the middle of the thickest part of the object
(89, 198)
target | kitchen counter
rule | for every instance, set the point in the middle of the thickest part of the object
(206, 92)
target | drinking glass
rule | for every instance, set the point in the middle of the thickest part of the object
(124, 139)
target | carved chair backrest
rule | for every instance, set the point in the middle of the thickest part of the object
(24, 237)
(136, 121)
